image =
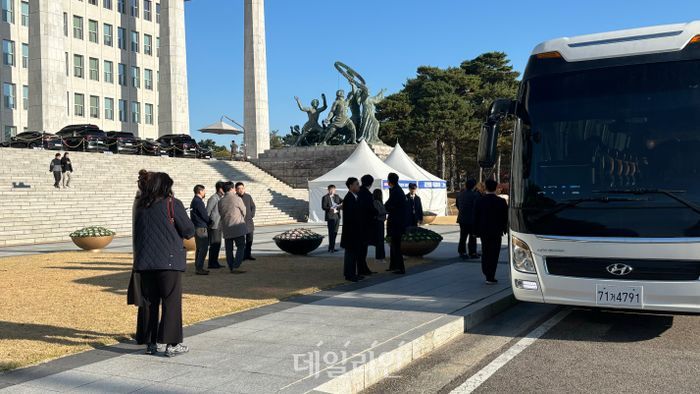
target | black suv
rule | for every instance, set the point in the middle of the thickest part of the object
(36, 139)
(179, 145)
(122, 142)
(83, 137)
(149, 147)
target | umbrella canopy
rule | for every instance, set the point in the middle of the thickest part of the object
(221, 128)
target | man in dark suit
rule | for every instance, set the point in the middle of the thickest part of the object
(490, 222)
(396, 208)
(201, 221)
(368, 212)
(353, 236)
(466, 199)
(415, 206)
(331, 203)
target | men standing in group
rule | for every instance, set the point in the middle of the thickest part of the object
(201, 221)
(215, 226)
(396, 207)
(354, 235)
(466, 200)
(490, 222)
(415, 206)
(249, 216)
(367, 215)
(57, 169)
(67, 169)
(233, 227)
(331, 204)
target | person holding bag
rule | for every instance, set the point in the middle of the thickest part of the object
(160, 224)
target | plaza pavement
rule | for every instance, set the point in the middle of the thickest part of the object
(340, 340)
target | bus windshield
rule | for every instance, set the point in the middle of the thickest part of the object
(610, 152)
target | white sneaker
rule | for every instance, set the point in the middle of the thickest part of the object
(172, 351)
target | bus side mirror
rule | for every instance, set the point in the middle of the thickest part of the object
(488, 140)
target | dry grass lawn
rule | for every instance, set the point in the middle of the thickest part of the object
(58, 304)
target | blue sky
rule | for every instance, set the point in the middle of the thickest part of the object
(384, 40)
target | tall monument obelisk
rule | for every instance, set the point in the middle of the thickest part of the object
(256, 117)
(173, 106)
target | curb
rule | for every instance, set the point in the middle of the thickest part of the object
(359, 373)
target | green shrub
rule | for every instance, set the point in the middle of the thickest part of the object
(92, 231)
(297, 234)
(416, 234)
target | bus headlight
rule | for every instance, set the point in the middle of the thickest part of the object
(522, 257)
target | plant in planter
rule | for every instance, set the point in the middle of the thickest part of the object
(417, 241)
(92, 238)
(299, 241)
(429, 217)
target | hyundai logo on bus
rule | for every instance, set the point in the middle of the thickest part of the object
(619, 269)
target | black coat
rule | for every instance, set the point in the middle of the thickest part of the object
(415, 210)
(396, 209)
(157, 242)
(353, 235)
(368, 211)
(490, 216)
(327, 204)
(66, 164)
(198, 213)
(466, 200)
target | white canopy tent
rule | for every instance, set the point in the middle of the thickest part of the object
(362, 161)
(431, 189)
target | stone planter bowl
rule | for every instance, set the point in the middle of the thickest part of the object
(428, 219)
(189, 244)
(418, 248)
(299, 246)
(92, 243)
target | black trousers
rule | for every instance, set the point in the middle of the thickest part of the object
(396, 258)
(362, 267)
(57, 178)
(248, 245)
(201, 240)
(332, 232)
(351, 261)
(490, 251)
(160, 287)
(214, 247)
(466, 231)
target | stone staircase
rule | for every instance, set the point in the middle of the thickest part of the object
(103, 189)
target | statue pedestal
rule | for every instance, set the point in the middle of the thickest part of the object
(297, 165)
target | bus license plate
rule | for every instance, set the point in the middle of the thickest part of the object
(619, 296)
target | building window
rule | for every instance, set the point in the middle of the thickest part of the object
(93, 2)
(78, 27)
(94, 107)
(92, 31)
(121, 38)
(65, 24)
(94, 69)
(147, 6)
(135, 77)
(148, 79)
(148, 113)
(8, 52)
(107, 4)
(25, 55)
(109, 71)
(134, 41)
(10, 131)
(121, 6)
(148, 44)
(107, 34)
(79, 104)
(25, 97)
(135, 8)
(8, 11)
(158, 46)
(135, 112)
(122, 74)
(25, 13)
(67, 66)
(9, 93)
(78, 66)
(123, 111)
(157, 12)
(109, 108)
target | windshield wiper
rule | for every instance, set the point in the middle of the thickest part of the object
(562, 205)
(673, 194)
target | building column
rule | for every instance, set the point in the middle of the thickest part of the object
(256, 117)
(173, 106)
(48, 104)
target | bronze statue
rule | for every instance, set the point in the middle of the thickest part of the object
(370, 125)
(311, 132)
(338, 120)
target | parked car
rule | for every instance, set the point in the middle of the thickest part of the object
(179, 145)
(204, 152)
(149, 147)
(83, 137)
(122, 142)
(36, 139)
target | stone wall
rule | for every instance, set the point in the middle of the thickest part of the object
(295, 166)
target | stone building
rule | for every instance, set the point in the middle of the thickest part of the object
(119, 64)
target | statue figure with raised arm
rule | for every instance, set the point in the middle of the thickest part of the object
(355, 105)
(370, 125)
(312, 131)
(338, 120)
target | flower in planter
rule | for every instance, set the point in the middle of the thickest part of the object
(416, 234)
(92, 231)
(429, 213)
(297, 234)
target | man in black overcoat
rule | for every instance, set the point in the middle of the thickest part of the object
(491, 222)
(397, 209)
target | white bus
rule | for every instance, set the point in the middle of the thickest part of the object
(605, 174)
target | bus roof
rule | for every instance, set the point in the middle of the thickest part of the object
(646, 40)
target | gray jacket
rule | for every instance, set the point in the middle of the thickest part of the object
(213, 211)
(233, 213)
(250, 212)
